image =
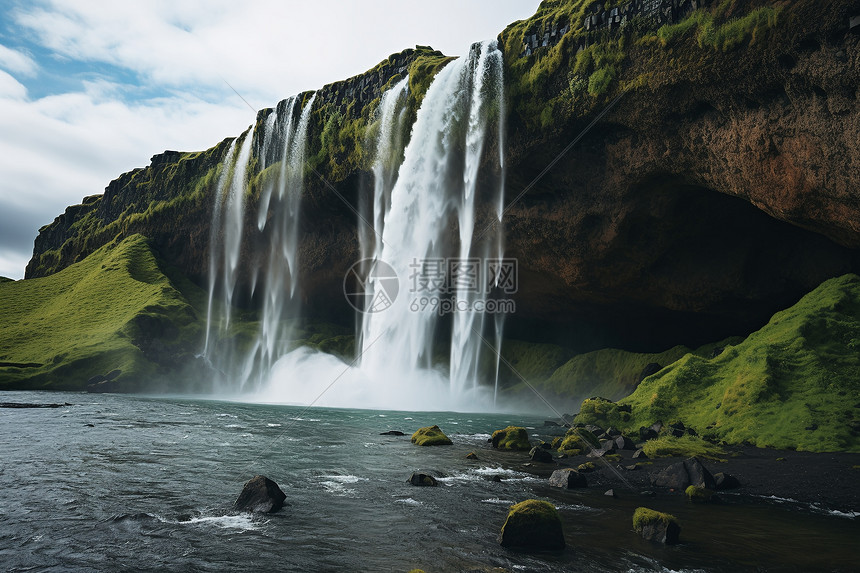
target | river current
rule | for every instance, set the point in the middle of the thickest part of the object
(117, 482)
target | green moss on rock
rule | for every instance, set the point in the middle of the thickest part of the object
(577, 440)
(533, 524)
(699, 494)
(511, 438)
(686, 446)
(430, 436)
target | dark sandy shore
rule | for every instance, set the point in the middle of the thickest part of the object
(830, 481)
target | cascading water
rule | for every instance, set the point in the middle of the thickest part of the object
(424, 212)
(436, 183)
(280, 157)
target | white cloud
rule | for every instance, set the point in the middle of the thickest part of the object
(10, 87)
(54, 150)
(16, 61)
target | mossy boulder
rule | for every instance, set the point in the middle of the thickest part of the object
(422, 480)
(698, 494)
(656, 526)
(511, 438)
(578, 440)
(601, 411)
(533, 525)
(430, 436)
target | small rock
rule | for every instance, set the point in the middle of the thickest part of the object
(610, 493)
(90, 425)
(538, 454)
(656, 526)
(567, 478)
(647, 493)
(624, 443)
(423, 480)
(632, 468)
(646, 434)
(532, 524)
(639, 454)
(392, 433)
(608, 446)
(260, 495)
(471, 456)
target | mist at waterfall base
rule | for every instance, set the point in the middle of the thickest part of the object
(422, 191)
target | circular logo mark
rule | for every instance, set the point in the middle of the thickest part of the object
(370, 286)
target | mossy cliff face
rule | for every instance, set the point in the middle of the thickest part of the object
(719, 188)
(716, 191)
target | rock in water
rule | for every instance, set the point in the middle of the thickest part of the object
(538, 454)
(392, 433)
(656, 526)
(430, 436)
(471, 456)
(260, 495)
(682, 474)
(567, 478)
(422, 480)
(532, 524)
(511, 438)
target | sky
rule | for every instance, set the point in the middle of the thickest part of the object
(90, 89)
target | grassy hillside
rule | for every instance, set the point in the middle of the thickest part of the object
(116, 309)
(793, 384)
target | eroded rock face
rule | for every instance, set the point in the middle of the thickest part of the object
(700, 205)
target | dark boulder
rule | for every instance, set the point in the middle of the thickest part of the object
(532, 525)
(471, 456)
(646, 434)
(677, 429)
(725, 481)
(96, 379)
(613, 432)
(608, 446)
(640, 455)
(260, 495)
(682, 474)
(539, 454)
(423, 480)
(567, 478)
(392, 433)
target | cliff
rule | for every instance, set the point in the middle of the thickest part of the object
(715, 191)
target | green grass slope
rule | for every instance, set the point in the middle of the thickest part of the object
(115, 309)
(793, 384)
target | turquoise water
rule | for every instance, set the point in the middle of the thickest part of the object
(150, 484)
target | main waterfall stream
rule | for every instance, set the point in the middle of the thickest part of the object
(424, 217)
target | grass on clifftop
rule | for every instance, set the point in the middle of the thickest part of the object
(793, 384)
(60, 330)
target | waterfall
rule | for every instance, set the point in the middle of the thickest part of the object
(436, 187)
(280, 157)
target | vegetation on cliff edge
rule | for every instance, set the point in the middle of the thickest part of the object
(93, 317)
(795, 383)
